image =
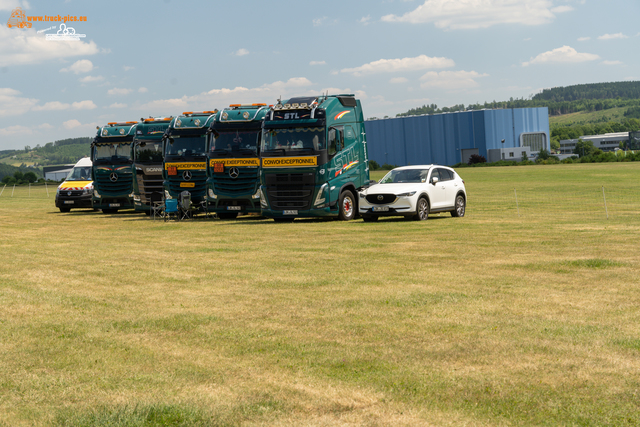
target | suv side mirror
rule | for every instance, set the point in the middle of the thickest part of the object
(434, 180)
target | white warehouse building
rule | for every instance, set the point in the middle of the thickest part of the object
(606, 142)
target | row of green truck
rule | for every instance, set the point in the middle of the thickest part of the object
(303, 157)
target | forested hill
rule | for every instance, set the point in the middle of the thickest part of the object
(559, 100)
(623, 90)
(65, 151)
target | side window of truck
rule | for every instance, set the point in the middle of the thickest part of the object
(336, 140)
(349, 136)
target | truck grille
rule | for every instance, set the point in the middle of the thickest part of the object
(124, 184)
(245, 183)
(290, 191)
(148, 184)
(198, 177)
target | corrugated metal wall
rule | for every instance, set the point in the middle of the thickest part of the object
(438, 138)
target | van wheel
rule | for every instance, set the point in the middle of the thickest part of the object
(65, 210)
(347, 206)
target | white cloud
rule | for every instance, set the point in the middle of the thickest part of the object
(318, 21)
(12, 4)
(451, 80)
(84, 105)
(365, 20)
(45, 126)
(218, 97)
(81, 66)
(317, 63)
(612, 62)
(241, 52)
(128, 68)
(57, 106)
(15, 130)
(562, 9)
(421, 62)
(472, 14)
(118, 91)
(78, 126)
(584, 39)
(89, 79)
(612, 36)
(70, 124)
(12, 104)
(397, 80)
(562, 55)
(118, 105)
(25, 46)
(143, 90)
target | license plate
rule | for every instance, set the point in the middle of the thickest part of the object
(187, 184)
(290, 212)
(234, 208)
(68, 202)
(114, 205)
(218, 167)
(381, 208)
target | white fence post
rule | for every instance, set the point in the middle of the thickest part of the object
(517, 207)
(14, 189)
(5, 186)
(605, 203)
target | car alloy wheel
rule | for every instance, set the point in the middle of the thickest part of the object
(460, 207)
(422, 211)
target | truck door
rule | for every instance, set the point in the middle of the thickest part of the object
(334, 150)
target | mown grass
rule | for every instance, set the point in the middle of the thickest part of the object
(492, 319)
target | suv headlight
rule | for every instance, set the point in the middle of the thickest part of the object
(408, 194)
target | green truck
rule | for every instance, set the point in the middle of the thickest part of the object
(233, 170)
(313, 157)
(147, 161)
(185, 156)
(111, 154)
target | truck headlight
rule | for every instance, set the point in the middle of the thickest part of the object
(263, 201)
(212, 195)
(96, 194)
(136, 198)
(257, 195)
(321, 198)
(167, 196)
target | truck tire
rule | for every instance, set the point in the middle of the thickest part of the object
(283, 219)
(65, 209)
(346, 206)
(109, 211)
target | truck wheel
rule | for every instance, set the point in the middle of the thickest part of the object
(283, 219)
(227, 215)
(65, 209)
(109, 211)
(369, 218)
(346, 206)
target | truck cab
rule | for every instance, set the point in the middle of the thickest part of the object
(185, 156)
(147, 161)
(314, 158)
(233, 169)
(111, 154)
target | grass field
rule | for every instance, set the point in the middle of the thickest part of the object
(518, 314)
(582, 117)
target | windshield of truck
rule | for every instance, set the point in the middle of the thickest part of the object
(80, 173)
(149, 152)
(187, 146)
(293, 140)
(113, 152)
(235, 142)
(405, 175)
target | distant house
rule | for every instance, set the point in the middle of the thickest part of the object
(56, 173)
(606, 142)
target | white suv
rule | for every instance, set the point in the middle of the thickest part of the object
(414, 192)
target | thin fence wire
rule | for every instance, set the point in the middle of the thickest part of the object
(597, 203)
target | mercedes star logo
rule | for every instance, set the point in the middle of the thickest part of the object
(69, 193)
(186, 175)
(113, 177)
(234, 172)
(380, 197)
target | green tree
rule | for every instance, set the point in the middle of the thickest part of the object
(18, 175)
(30, 177)
(584, 148)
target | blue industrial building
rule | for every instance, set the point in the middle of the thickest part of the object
(451, 138)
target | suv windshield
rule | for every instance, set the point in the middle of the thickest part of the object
(293, 140)
(80, 173)
(113, 152)
(187, 146)
(405, 175)
(149, 152)
(236, 142)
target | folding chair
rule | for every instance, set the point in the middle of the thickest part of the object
(171, 209)
(185, 205)
(157, 204)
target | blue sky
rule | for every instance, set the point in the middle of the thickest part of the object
(160, 58)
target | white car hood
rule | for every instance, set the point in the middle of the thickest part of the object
(395, 188)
